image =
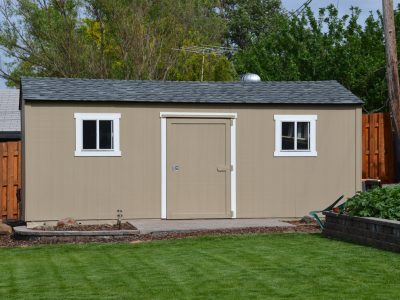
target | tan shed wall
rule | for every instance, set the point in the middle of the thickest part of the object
(59, 185)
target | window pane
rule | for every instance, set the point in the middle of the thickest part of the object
(89, 134)
(287, 135)
(303, 136)
(105, 134)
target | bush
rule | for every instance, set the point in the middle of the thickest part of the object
(380, 203)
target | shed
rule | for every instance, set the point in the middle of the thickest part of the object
(186, 150)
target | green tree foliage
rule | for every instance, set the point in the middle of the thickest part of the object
(325, 48)
(248, 20)
(124, 39)
(143, 39)
(189, 67)
(41, 38)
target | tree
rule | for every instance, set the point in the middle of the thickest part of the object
(125, 39)
(189, 65)
(41, 38)
(141, 39)
(325, 48)
(248, 20)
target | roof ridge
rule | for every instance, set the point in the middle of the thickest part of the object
(175, 81)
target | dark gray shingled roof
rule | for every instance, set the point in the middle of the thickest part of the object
(268, 92)
(10, 117)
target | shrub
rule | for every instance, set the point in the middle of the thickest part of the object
(380, 203)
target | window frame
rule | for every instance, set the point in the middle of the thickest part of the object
(80, 117)
(311, 119)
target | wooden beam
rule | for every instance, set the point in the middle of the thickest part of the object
(392, 73)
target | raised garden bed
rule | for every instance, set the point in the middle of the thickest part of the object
(100, 227)
(379, 233)
(82, 231)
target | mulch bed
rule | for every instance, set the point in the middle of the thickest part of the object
(124, 226)
(9, 241)
(303, 223)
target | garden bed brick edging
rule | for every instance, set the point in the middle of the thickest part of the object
(375, 232)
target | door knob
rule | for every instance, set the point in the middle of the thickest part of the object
(175, 168)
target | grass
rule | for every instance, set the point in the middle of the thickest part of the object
(296, 266)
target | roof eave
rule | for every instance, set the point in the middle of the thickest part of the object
(194, 102)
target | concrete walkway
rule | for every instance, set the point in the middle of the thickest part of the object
(157, 225)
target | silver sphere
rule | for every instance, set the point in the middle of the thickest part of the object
(249, 77)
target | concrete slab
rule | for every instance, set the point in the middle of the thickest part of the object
(157, 225)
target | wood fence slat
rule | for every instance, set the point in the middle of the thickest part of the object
(9, 182)
(382, 171)
(377, 150)
(374, 145)
(10, 179)
(365, 146)
(3, 199)
(17, 178)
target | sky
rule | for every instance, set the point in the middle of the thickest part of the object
(343, 5)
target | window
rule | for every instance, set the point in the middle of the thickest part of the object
(295, 135)
(97, 134)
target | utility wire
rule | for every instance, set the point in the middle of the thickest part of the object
(299, 10)
(302, 7)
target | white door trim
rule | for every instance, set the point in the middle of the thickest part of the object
(164, 116)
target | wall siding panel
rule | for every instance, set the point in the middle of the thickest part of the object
(60, 185)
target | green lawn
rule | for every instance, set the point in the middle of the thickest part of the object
(295, 266)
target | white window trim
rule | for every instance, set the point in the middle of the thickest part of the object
(312, 119)
(79, 117)
(164, 116)
(197, 114)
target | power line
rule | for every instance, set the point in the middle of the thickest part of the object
(302, 7)
(299, 10)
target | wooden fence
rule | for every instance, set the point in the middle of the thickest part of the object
(377, 149)
(10, 179)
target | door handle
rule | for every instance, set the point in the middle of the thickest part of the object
(223, 168)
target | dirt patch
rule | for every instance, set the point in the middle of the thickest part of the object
(10, 241)
(309, 222)
(124, 226)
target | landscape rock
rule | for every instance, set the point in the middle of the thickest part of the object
(306, 220)
(5, 229)
(44, 227)
(67, 222)
(33, 225)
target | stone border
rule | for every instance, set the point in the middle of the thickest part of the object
(24, 232)
(375, 232)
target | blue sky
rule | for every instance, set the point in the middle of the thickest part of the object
(343, 6)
